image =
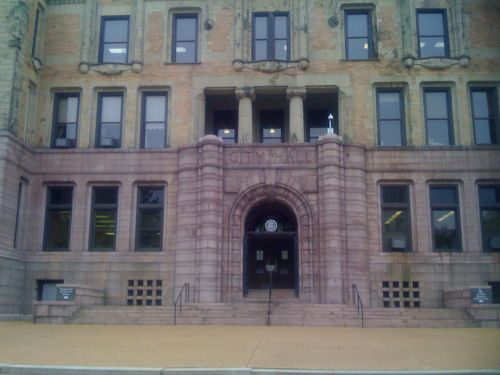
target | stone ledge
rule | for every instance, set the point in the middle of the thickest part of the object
(110, 69)
(436, 63)
(271, 66)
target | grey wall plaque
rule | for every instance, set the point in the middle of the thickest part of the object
(480, 296)
(65, 294)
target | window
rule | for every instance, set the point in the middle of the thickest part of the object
(390, 111)
(149, 217)
(396, 229)
(484, 116)
(19, 211)
(185, 38)
(226, 125)
(113, 47)
(358, 34)
(432, 31)
(109, 119)
(154, 119)
(489, 205)
(58, 218)
(438, 121)
(271, 36)
(65, 123)
(445, 218)
(271, 126)
(46, 290)
(104, 218)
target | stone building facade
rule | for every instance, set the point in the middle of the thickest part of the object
(153, 143)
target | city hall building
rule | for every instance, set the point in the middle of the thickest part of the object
(343, 147)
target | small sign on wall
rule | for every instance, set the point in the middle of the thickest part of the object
(65, 294)
(260, 254)
(480, 296)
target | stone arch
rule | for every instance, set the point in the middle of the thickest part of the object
(233, 252)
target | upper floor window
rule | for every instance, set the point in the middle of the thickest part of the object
(185, 38)
(104, 218)
(272, 126)
(358, 34)
(485, 116)
(489, 203)
(58, 217)
(154, 119)
(390, 116)
(438, 120)
(432, 33)
(113, 46)
(396, 227)
(445, 216)
(271, 36)
(109, 119)
(150, 217)
(65, 124)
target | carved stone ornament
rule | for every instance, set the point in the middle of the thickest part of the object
(110, 69)
(436, 63)
(270, 66)
(18, 23)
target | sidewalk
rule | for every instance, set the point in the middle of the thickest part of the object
(249, 347)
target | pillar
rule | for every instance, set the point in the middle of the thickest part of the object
(296, 97)
(245, 96)
(88, 21)
(138, 37)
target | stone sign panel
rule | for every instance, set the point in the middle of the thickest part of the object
(65, 294)
(270, 156)
(480, 296)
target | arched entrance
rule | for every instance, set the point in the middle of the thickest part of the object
(270, 239)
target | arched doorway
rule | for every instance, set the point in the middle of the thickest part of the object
(270, 239)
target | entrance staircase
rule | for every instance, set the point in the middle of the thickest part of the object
(282, 313)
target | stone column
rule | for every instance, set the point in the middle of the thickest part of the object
(296, 97)
(209, 237)
(88, 26)
(138, 36)
(245, 96)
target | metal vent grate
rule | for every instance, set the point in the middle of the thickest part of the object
(144, 292)
(401, 294)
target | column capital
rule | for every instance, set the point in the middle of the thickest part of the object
(245, 92)
(296, 91)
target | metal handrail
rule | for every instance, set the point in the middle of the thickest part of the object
(178, 301)
(356, 299)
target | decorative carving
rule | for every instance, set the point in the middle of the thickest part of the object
(208, 24)
(270, 66)
(245, 92)
(436, 63)
(18, 23)
(296, 91)
(110, 69)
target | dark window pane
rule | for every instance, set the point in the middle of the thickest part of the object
(436, 105)
(390, 133)
(480, 104)
(444, 223)
(260, 50)
(185, 52)
(389, 105)
(116, 31)
(104, 229)
(58, 229)
(438, 132)
(106, 195)
(281, 27)
(491, 221)
(115, 52)
(271, 135)
(315, 133)
(151, 195)
(489, 195)
(357, 49)
(260, 27)
(482, 132)
(60, 195)
(394, 194)
(357, 25)
(444, 220)
(150, 239)
(111, 108)
(430, 24)
(432, 46)
(440, 196)
(186, 29)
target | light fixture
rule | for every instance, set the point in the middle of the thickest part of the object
(226, 131)
(117, 50)
(330, 128)
(446, 216)
(365, 46)
(393, 217)
(439, 45)
(272, 131)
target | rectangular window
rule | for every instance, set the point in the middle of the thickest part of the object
(226, 126)
(149, 218)
(58, 218)
(109, 119)
(46, 290)
(358, 34)
(484, 116)
(489, 205)
(445, 216)
(438, 120)
(19, 212)
(185, 38)
(396, 229)
(154, 119)
(271, 36)
(390, 111)
(65, 123)
(104, 218)
(432, 33)
(113, 47)
(271, 126)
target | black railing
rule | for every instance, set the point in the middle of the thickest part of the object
(184, 293)
(356, 299)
